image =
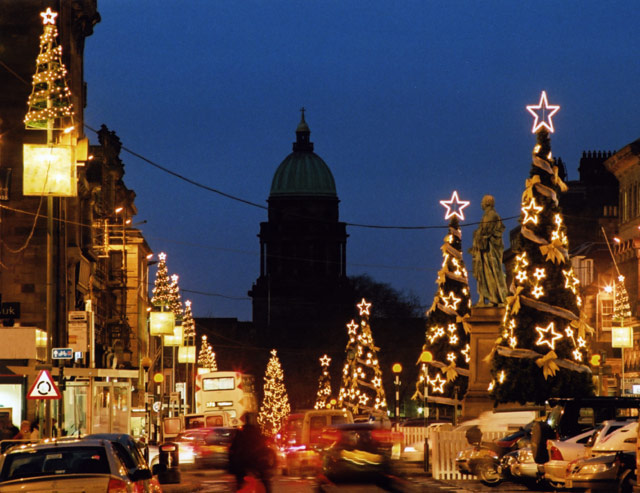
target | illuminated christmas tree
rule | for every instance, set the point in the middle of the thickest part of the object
(206, 356)
(275, 408)
(621, 306)
(188, 324)
(162, 287)
(324, 384)
(447, 334)
(50, 99)
(361, 391)
(544, 341)
(175, 299)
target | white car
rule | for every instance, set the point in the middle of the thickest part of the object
(562, 452)
(621, 440)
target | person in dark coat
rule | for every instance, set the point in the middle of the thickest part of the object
(249, 454)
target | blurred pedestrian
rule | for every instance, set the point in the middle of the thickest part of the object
(35, 431)
(249, 455)
(7, 429)
(25, 431)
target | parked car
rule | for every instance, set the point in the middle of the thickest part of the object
(132, 456)
(622, 439)
(88, 465)
(571, 416)
(561, 453)
(611, 472)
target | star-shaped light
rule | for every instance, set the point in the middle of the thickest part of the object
(577, 355)
(513, 342)
(454, 206)
(550, 333)
(48, 16)
(531, 212)
(521, 276)
(353, 328)
(376, 381)
(364, 307)
(453, 339)
(450, 301)
(325, 360)
(363, 399)
(466, 351)
(542, 113)
(501, 376)
(187, 303)
(582, 342)
(162, 256)
(491, 385)
(437, 384)
(451, 357)
(174, 278)
(537, 291)
(539, 273)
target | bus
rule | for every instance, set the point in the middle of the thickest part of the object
(229, 391)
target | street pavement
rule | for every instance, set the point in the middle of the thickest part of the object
(413, 480)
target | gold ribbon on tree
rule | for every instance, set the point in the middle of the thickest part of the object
(558, 181)
(548, 365)
(463, 320)
(451, 372)
(582, 326)
(527, 195)
(554, 251)
(514, 301)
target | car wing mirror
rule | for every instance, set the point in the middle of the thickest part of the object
(141, 475)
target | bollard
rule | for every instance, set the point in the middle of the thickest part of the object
(426, 454)
(168, 467)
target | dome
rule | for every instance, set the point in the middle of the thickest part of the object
(303, 172)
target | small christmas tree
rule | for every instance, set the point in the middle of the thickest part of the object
(175, 299)
(361, 391)
(275, 407)
(621, 306)
(544, 341)
(50, 100)
(447, 334)
(188, 324)
(324, 384)
(206, 356)
(162, 287)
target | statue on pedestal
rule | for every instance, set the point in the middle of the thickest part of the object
(487, 251)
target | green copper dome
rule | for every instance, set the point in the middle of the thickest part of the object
(303, 172)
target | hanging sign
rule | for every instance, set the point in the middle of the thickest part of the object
(622, 337)
(43, 387)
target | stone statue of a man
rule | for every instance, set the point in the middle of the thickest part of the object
(487, 251)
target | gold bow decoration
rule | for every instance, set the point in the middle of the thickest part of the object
(463, 320)
(548, 365)
(514, 301)
(441, 277)
(558, 181)
(489, 357)
(527, 195)
(451, 372)
(553, 251)
(582, 326)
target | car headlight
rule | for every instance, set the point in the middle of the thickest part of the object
(409, 449)
(595, 468)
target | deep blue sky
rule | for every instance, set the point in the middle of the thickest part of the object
(406, 102)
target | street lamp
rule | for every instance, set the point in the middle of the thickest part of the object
(425, 358)
(397, 369)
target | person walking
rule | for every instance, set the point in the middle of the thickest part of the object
(251, 457)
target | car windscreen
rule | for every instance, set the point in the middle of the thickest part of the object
(58, 461)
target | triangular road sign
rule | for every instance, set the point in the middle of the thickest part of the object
(43, 387)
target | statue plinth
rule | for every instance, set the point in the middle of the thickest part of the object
(485, 324)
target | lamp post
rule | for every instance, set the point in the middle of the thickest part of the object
(425, 358)
(397, 369)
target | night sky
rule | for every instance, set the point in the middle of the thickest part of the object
(406, 101)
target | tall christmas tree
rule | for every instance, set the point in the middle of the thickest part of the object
(544, 342)
(361, 391)
(446, 368)
(324, 384)
(162, 286)
(621, 306)
(206, 356)
(275, 407)
(50, 99)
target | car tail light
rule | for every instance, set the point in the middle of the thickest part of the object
(117, 485)
(554, 453)
(138, 487)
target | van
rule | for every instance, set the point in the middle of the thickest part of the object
(174, 425)
(301, 436)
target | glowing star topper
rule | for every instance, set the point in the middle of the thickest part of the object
(48, 16)
(542, 112)
(364, 307)
(325, 360)
(454, 206)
